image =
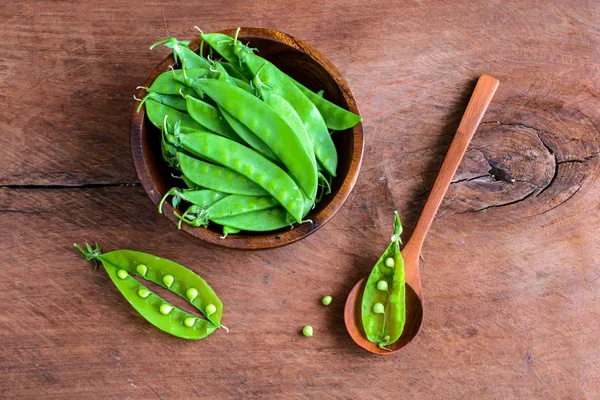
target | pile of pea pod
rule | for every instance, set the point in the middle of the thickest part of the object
(253, 146)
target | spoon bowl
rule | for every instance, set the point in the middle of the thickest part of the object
(353, 320)
(478, 104)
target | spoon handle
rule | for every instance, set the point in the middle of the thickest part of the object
(479, 102)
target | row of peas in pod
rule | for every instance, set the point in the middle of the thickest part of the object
(252, 145)
(123, 265)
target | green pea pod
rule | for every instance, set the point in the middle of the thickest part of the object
(156, 113)
(282, 85)
(234, 72)
(268, 126)
(191, 185)
(223, 45)
(385, 328)
(209, 117)
(335, 117)
(217, 178)
(169, 82)
(202, 198)
(227, 207)
(289, 115)
(244, 85)
(121, 264)
(170, 100)
(258, 221)
(249, 137)
(246, 162)
(183, 54)
(237, 204)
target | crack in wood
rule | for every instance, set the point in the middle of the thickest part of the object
(73, 186)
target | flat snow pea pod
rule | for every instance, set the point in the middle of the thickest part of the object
(385, 328)
(246, 162)
(121, 264)
(335, 117)
(289, 115)
(223, 75)
(237, 204)
(249, 137)
(210, 117)
(229, 206)
(223, 45)
(217, 178)
(243, 85)
(268, 126)
(234, 72)
(202, 198)
(309, 114)
(183, 54)
(156, 114)
(174, 101)
(168, 82)
(258, 221)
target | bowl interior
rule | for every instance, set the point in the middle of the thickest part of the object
(292, 59)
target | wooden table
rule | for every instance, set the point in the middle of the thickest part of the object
(510, 270)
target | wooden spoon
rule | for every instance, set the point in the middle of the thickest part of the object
(481, 98)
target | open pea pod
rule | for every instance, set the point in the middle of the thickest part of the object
(121, 264)
(384, 303)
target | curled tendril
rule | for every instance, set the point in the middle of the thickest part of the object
(143, 100)
(235, 38)
(171, 192)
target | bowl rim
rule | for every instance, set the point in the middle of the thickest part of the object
(265, 240)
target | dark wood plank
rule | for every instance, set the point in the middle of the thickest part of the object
(510, 273)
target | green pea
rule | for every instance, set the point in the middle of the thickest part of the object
(210, 309)
(191, 294)
(141, 269)
(168, 280)
(382, 285)
(389, 262)
(143, 293)
(189, 321)
(165, 308)
(307, 331)
(378, 308)
(122, 274)
(326, 300)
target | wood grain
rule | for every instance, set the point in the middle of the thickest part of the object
(509, 269)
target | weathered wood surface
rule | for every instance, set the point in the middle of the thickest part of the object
(510, 273)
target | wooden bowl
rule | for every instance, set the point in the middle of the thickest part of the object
(309, 67)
